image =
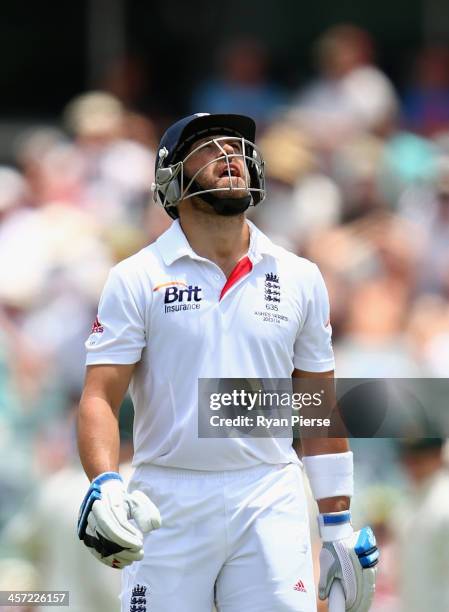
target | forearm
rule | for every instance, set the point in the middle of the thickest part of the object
(98, 436)
(325, 446)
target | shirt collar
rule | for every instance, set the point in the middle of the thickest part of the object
(173, 244)
(260, 244)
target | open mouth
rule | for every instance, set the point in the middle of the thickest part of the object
(233, 171)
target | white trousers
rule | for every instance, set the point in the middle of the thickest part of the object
(239, 539)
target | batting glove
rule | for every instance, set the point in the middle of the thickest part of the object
(104, 521)
(351, 557)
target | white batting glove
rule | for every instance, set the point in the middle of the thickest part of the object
(104, 521)
(349, 556)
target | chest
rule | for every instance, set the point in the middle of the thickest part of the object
(193, 305)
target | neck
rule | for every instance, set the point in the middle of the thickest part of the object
(223, 240)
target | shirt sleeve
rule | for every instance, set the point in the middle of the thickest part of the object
(313, 345)
(118, 333)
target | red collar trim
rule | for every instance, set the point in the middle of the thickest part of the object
(243, 267)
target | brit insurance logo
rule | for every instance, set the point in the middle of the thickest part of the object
(180, 296)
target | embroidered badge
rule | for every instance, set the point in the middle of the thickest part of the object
(138, 599)
(272, 288)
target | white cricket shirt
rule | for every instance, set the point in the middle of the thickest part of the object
(176, 314)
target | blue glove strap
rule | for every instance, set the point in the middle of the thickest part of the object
(92, 495)
(369, 560)
(335, 525)
(366, 548)
(336, 518)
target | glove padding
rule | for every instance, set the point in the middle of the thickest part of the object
(104, 521)
(352, 560)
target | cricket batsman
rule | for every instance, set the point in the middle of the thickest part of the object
(213, 520)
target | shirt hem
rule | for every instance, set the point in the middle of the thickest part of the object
(112, 359)
(314, 366)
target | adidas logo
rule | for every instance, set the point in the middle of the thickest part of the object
(97, 327)
(299, 586)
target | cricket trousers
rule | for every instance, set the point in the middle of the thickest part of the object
(239, 539)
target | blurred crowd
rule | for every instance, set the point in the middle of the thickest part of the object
(357, 181)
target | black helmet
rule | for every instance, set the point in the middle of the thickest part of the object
(172, 185)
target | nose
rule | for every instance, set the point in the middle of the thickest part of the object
(230, 147)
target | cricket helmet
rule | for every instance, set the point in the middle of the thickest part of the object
(171, 184)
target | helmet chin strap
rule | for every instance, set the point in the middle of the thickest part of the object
(227, 207)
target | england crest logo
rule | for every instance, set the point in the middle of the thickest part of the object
(272, 288)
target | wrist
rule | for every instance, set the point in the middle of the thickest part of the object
(330, 475)
(333, 504)
(335, 525)
(104, 477)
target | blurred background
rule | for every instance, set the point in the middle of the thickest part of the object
(352, 106)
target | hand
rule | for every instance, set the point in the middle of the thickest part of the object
(104, 521)
(351, 557)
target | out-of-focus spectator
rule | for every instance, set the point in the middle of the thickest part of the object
(94, 118)
(47, 537)
(426, 102)
(118, 170)
(355, 167)
(13, 191)
(350, 94)
(374, 344)
(374, 249)
(46, 249)
(295, 185)
(243, 85)
(407, 165)
(57, 265)
(31, 149)
(421, 528)
(18, 575)
(374, 506)
(429, 207)
(44, 530)
(428, 334)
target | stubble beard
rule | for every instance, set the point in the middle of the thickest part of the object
(222, 187)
